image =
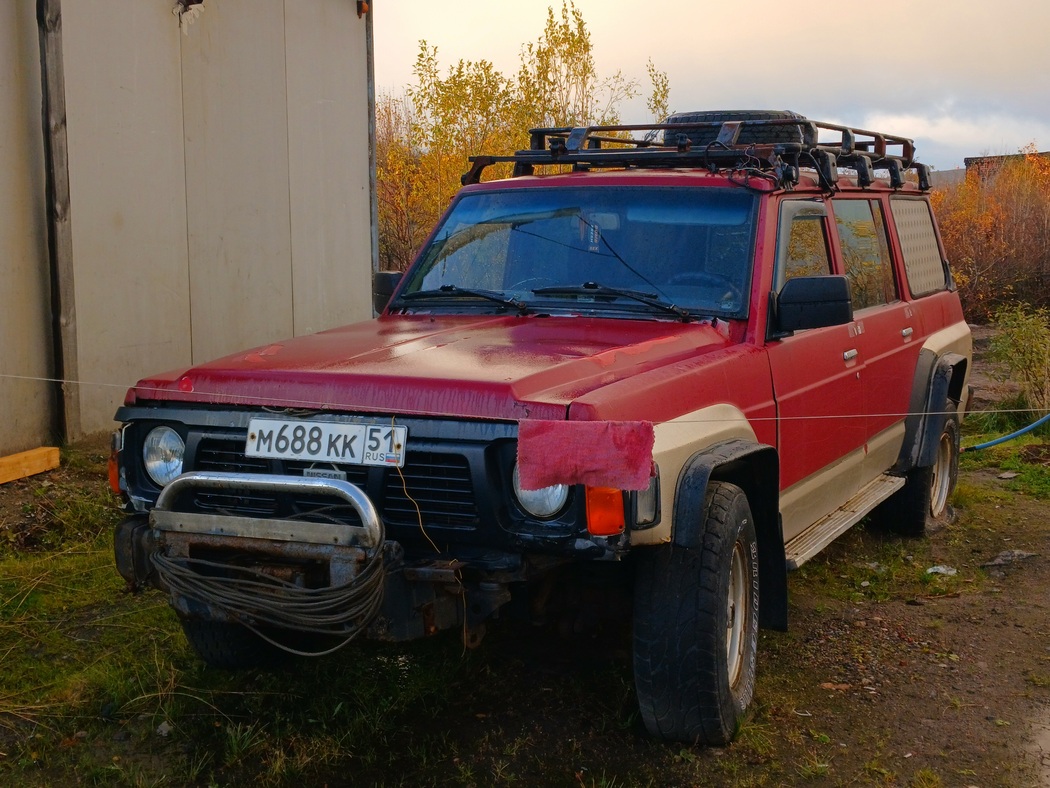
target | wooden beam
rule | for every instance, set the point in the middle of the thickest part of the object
(28, 463)
(59, 227)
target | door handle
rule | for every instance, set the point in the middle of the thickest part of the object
(849, 355)
(907, 332)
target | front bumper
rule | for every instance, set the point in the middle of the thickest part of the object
(316, 577)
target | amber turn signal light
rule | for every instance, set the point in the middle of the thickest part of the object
(114, 465)
(605, 511)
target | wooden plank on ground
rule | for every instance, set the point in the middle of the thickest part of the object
(28, 463)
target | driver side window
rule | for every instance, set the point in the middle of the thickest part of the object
(802, 241)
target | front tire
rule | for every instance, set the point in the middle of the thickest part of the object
(696, 626)
(230, 646)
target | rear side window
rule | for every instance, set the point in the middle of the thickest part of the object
(922, 256)
(865, 252)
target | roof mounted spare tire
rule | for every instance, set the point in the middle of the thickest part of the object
(749, 135)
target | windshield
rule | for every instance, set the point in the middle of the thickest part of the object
(573, 249)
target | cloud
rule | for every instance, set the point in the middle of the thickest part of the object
(945, 139)
(962, 79)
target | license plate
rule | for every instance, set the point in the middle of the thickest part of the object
(347, 444)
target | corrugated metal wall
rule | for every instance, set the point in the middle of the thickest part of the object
(27, 405)
(219, 181)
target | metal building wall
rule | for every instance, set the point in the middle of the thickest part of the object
(220, 181)
(27, 403)
(127, 185)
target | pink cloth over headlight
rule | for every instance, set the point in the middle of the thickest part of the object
(597, 453)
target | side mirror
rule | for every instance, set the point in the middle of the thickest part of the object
(812, 302)
(384, 283)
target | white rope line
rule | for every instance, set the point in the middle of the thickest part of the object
(248, 399)
(64, 382)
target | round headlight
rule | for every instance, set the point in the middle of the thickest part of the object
(542, 503)
(162, 454)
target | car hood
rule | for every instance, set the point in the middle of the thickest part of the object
(503, 367)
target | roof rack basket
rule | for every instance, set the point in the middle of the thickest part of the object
(776, 160)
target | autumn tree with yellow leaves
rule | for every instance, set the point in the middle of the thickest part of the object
(424, 138)
(996, 231)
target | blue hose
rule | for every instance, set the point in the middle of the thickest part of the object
(1009, 437)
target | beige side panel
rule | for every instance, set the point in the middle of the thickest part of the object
(127, 193)
(955, 338)
(237, 176)
(328, 163)
(804, 503)
(678, 440)
(25, 333)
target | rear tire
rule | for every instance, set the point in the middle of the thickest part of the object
(696, 626)
(229, 646)
(927, 491)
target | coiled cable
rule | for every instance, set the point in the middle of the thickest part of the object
(257, 600)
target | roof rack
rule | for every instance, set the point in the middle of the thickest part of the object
(585, 147)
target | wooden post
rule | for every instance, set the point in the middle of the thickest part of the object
(59, 229)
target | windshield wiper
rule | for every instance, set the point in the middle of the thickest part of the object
(454, 291)
(594, 288)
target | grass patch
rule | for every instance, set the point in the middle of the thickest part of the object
(1011, 415)
(61, 510)
(867, 564)
(1022, 464)
(926, 778)
(100, 687)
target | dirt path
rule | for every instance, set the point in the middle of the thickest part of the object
(957, 683)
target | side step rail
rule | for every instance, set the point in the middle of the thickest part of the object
(826, 530)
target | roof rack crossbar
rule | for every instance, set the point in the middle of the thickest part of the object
(614, 146)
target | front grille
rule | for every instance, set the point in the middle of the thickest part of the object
(440, 484)
(227, 455)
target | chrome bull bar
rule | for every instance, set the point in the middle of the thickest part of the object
(263, 594)
(369, 535)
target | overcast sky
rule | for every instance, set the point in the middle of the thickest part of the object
(961, 77)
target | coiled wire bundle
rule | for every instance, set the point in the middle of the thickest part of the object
(258, 600)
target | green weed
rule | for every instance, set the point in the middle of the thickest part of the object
(879, 773)
(1026, 460)
(756, 738)
(925, 778)
(241, 741)
(813, 765)
(1011, 414)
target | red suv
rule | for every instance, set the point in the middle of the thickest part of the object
(674, 360)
